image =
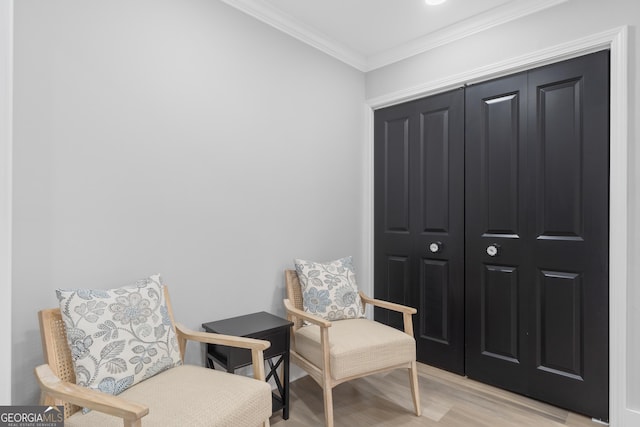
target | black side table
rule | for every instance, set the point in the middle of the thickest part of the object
(264, 326)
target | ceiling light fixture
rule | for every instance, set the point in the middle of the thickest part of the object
(434, 2)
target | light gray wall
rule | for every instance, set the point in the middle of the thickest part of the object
(180, 137)
(569, 21)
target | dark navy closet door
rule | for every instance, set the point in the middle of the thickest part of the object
(419, 221)
(537, 233)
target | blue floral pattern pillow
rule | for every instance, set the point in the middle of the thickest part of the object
(119, 337)
(329, 289)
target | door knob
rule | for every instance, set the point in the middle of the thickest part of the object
(435, 247)
(493, 249)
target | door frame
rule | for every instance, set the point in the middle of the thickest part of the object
(6, 137)
(616, 40)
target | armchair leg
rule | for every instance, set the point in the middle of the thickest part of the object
(266, 423)
(415, 391)
(328, 405)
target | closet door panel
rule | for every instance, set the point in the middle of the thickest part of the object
(560, 140)
(434, 167)
(496, 266)
(431, 240)
(434, 278)
(396, 175)
(499, 327)
(569, 151)
(560, 313)
(501, 127)
(438, 240)
(392, 241)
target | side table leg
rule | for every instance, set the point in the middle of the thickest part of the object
(285, 379)
(210, 364)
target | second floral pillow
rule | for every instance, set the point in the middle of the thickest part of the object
(329, 289)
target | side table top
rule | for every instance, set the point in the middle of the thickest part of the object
(247, 325)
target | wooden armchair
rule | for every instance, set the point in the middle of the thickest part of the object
(180, 396)
(335, 352)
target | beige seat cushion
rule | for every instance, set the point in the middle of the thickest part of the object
(192, 396)
(356, 346)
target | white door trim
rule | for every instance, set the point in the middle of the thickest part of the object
(617, 41)
(6, 121)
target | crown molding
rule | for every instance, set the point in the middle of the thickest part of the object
(289, 25)
(481, 22)
(588, 44)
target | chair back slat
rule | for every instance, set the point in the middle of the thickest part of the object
(181, 341)
(294, 294)
(57, 353)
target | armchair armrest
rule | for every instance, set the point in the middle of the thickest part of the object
(388, 305)
(295, 312)
(229, 340)
(130, 412)
(407, 312)
(257, 347)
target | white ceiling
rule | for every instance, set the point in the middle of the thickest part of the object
(372, 26)
(369, 34)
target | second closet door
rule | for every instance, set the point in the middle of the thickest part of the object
(537, 205)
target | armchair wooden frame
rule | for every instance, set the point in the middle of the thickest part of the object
(322, 374)
(57, 377)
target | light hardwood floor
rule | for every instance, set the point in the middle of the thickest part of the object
(447, 400)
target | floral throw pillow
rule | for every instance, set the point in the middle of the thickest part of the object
(119, 337)
(329, 289)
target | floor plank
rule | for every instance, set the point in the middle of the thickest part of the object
(448, 400)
